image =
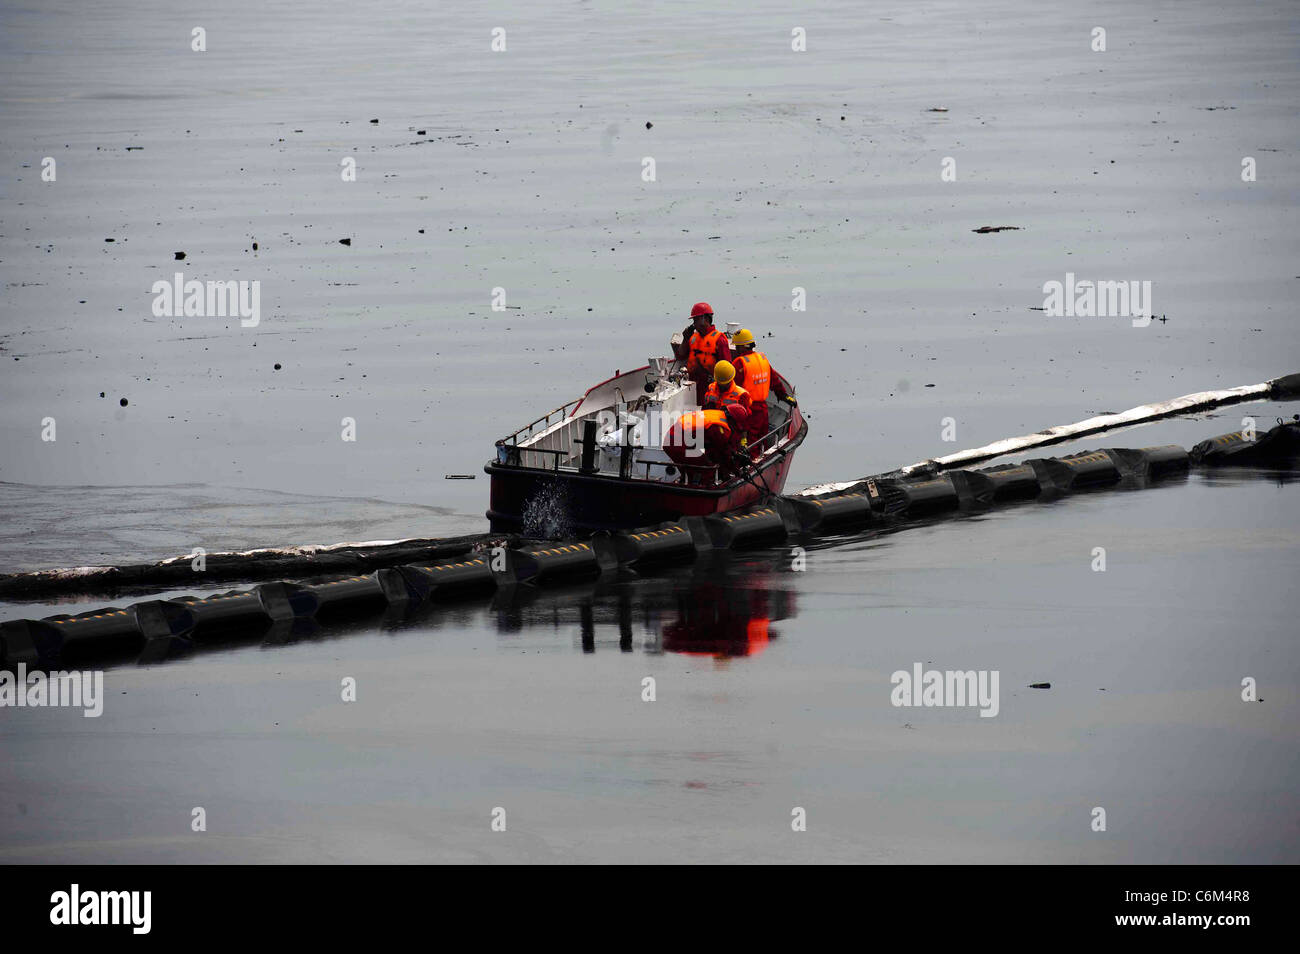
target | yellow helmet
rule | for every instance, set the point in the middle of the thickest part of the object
(724, 372)
(742, 337)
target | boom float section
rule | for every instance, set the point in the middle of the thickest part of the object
(157, 629)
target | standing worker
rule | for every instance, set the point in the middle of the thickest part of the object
(754, 373)
(702, 347)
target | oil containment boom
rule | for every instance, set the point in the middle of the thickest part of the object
(157, 629)
(1287, 386)
(1281, 388)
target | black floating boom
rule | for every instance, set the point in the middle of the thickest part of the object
(156, 629)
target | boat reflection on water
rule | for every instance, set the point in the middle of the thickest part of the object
(721, 606)
(724, 622)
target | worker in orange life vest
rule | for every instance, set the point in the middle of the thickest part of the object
(702, 347)
(701, 438)
(723, 395)
(754, 373)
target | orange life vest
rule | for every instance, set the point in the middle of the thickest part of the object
(702, 420)
(711, 419)
(704, 353)
(757, 374)
(697, 424)
(733, 395)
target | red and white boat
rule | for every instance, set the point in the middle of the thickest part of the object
(597, 463)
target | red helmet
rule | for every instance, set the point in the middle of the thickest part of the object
(701, 308)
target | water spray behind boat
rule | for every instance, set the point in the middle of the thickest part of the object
(546, 514)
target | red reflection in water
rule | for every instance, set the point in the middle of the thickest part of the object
(725, 621)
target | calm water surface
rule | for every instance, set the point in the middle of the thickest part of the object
(776, 171)
(772, 691)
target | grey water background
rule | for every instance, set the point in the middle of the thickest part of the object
(474, 706)
(775, 169)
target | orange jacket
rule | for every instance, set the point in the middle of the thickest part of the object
(734, 400)
(746, 368)
(754, 374)
(704, 351)
(693, 428)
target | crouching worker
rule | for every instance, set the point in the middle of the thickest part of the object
(702, 439)
(724, 395)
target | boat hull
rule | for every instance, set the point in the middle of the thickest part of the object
(544, 502)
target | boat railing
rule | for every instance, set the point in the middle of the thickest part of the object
(536, 427)
(773, 434)
(513, 451)
(513, 454)
(693, 475)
